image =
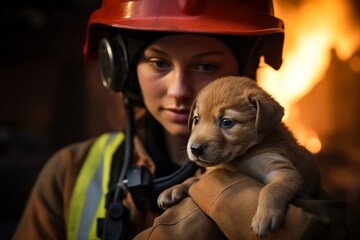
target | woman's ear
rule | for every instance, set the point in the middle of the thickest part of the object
(268, 112)
(191, 115)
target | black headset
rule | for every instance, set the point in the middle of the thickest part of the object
(117, 66)
(114, 62)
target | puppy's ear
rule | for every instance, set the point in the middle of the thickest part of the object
(268, 112)
(191, 115)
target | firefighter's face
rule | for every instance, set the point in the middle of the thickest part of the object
(173, 69)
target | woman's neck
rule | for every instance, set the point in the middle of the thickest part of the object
(177, 148)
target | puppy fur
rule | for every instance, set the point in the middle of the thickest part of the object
(236, 125)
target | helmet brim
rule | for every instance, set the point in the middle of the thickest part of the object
(239, 19)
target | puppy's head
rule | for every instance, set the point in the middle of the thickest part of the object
(228, 117)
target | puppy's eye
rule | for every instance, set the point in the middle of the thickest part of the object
(226, 123)
(196, 120)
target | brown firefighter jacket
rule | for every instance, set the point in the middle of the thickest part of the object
(221, 206)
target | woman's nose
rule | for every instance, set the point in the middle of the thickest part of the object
(180, 86)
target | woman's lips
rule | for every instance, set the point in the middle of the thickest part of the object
(178, 115)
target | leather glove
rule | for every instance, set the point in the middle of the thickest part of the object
(183, 221)
(230, 199)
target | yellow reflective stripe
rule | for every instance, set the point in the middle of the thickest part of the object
(108, 157)
(100, 149)
(78, 196)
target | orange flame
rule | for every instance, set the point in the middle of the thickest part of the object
(312, 30)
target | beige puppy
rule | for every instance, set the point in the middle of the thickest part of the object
(236, 125)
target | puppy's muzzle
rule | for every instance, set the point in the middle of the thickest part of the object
(197, 149)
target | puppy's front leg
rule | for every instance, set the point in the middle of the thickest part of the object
(274, 199)
(173, 195)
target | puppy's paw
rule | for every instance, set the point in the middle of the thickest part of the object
(171, 196)
(266, 221)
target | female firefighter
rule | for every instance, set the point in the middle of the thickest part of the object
(159, 54)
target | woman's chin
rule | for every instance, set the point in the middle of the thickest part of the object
(178, 130)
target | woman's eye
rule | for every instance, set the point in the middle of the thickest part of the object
(206, 67)
(226, 123)
(160, 64)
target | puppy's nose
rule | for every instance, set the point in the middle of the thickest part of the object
(197, 149)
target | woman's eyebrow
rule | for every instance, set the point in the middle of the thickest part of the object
(157, 50)
(204, 54)
(199, 55)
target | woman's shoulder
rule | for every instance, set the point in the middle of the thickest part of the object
(67, 161)
(74, 155)
(75, 151)
(71, 154)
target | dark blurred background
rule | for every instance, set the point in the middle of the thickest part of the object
(52, 96)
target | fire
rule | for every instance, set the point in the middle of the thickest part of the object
(312, 30)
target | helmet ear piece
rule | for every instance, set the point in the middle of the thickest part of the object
(113, 63)
(115, 69)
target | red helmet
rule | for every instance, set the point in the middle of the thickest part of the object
(229, 17)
